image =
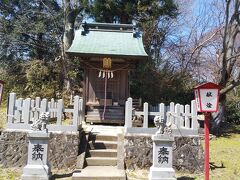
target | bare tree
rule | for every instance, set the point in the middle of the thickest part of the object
(229, 56)
(209, 47)
(190, 36)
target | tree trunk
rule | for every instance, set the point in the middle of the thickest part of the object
(40, 52)
(218, 117)
(70, 15)
(69, 28)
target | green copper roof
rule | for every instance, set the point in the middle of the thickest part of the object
(107, 40)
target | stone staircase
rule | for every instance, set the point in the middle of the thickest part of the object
(101, 159)
(113, 115)
(102, 150)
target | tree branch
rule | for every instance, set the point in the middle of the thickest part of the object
(230, 87)
(205, 41)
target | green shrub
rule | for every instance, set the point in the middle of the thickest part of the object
(233, 112)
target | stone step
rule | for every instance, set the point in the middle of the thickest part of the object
(107, 110)
(117, 113)
(106, 116)
(103, 153)
(101, 129)
(103, 137)
(103, 145)
(105, 120)
(107, 107)
(99, 173)
(101, 161)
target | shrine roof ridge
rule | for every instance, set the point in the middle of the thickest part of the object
(104, 39)
(108, 26)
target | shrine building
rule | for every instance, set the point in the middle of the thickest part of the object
(107, 52)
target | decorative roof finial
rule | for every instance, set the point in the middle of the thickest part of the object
(85, 28)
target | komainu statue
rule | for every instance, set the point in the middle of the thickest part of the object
(41, 123)
(163, 128)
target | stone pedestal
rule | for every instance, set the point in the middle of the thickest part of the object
(37, 167)
(162, 158)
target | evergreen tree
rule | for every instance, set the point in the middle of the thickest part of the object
(30, 34)
(124, 11)
(30, 29)
(153, 80)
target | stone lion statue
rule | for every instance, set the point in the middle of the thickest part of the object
(163, 128)
(41, 123)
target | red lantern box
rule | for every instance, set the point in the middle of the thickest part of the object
(207, 97)
(1, 90)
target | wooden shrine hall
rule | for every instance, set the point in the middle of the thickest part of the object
(107, 52)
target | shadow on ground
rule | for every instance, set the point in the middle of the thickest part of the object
(59, 176)
(185, 178)
(227, 129)
(213, 166)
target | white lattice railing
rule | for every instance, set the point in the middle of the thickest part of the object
(184, 118)
(23, 112)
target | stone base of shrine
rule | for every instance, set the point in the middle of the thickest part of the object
(162, 174)
(36, 172)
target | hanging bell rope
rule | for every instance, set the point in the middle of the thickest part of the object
(106, 74)
(105, 98)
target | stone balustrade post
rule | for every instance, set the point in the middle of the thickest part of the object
(162, 154)
(37, 165)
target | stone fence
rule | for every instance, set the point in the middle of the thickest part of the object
(183, 118)
(23, 112)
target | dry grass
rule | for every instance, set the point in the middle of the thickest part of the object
(225, 157)
(15, 174)
(10, 173)
(143, 175)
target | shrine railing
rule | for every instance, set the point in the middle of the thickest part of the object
(23, 112)
(183, 118)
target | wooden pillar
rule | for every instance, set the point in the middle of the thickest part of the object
(84, 94)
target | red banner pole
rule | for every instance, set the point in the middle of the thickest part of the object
(206, 129)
